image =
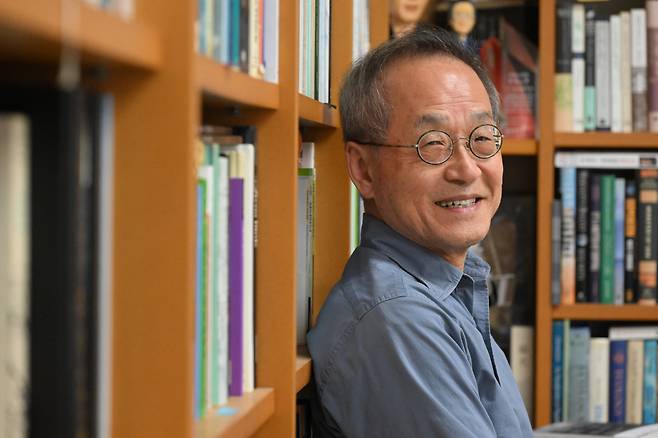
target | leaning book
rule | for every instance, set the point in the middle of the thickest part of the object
(589, 430)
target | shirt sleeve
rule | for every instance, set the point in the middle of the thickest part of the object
(404, 372)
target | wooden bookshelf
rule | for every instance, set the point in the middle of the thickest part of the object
(519, 147)
(599, 140)
(316, 114)
(303, 370)
(603, 312)
(240, 418)
(37, 30)
(226, 86)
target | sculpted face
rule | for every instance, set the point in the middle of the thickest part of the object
(407, 11)
(448, 207)
(462, 18)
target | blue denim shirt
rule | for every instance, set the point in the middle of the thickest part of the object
(402, 347)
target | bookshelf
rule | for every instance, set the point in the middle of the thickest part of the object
(163, 92)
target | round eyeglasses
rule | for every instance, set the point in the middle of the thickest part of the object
(436, 147)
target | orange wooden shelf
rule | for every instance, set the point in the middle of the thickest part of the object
(599, 312)
(523, 147)
(252, 410)
(302, 370)
(315, 113)
(37, 30)
(225, 85)
(597, 140)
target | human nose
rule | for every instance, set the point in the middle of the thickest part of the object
(462, 167)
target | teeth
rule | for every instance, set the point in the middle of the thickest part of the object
(462, 203)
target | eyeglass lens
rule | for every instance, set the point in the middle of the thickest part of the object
(436, 146)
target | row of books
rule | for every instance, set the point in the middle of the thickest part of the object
(604, 228)
(314, 48)
(225, 247)
(124, 8)
(606, 75)
(56, 179)
(604, 379)
(241, 33)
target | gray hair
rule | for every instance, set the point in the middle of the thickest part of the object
(364, 111)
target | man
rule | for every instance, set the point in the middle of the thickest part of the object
(402, 347)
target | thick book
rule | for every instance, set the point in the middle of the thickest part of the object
(625, 74)
(618, 359)
(305, 237)
(594, 238)
(590, 430)
(615, 74)
(647, 242)
(578, 371)
(634, 381)
(607, 261)
(602, 35)
(599, 379)
(568, 265)
(639, 69)
(563, 78)
(649, 382)
(236, 291)
(578, 66)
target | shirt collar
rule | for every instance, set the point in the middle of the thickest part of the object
(427, 267)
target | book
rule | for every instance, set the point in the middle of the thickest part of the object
(522, 362)
(649, 383)
(618, 359)
(652, 60)
(639, 69)
(563, 77)
(578, 66)
(625, 74)
(568, 265)
(615, 74)
(595, 238)
(607, 260)
(630, 244)
(14, 273)
(557, 413)
(589, 109)
(647, 242)
(578, 372)
(602, 74)
(305, 237)
(582, 234)
(619, 229)
(599, 376)
(634, 381)
(236, 291)
(589, 430)
(556, 251)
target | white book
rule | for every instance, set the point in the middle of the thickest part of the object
(634, 381)
(578, 66)
(625, 72)
(602, 37)
(256, 69)
(607, 160)
(206, 173)
(615, 74)
(244, 167)
(271, 40)
(633, 333)
(599, 377)
(222, 273)
(639, 69)
(209, 16)
(14, 274)
(301, 42)
(105, 267)
(522, 347)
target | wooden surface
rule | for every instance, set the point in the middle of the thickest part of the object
(302, 370)
(315, 114)
(248, 414)
(602, 312)
(36, 30)
(607, 140)
(519, 147)
(224, 85)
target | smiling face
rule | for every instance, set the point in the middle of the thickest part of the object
(446, 208)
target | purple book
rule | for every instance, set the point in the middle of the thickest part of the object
(235, 241)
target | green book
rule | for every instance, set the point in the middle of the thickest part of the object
(607, 268)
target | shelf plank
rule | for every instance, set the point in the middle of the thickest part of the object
(302, 370)
(314, 113)
(252, 410)
(225, 85)
(598, 140)
(37, 30)
(520, 147)
(601, 312)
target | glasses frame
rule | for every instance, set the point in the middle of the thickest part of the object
(452, 144)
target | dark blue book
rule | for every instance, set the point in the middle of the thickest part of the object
(558, 370)
(618, 355)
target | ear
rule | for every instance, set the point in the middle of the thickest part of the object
(360, 165)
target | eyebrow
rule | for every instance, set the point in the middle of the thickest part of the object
(438, 120)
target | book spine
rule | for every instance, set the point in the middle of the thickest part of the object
(244, 36)
(594, 237)
(235, 345)
(578, 66)
(590, 69)
(566, 360)
(568, 265)
(625, 75)
(607, 261)
(639, 69)
(223, 275)
(620, 214)
(200, 341)
(648, 245)
(556, 251)
(521, 361)
(582, 225)
(563, 87)
(649, 384)
(234, 32)
(579, 338)
(652, 58)
(602, 35)
(639, 332)
(615, 74)
(630, 244)
(557, 371)
(634, 381)
(617, 406)
(599, 377)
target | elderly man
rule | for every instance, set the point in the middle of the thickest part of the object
(402, 346)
